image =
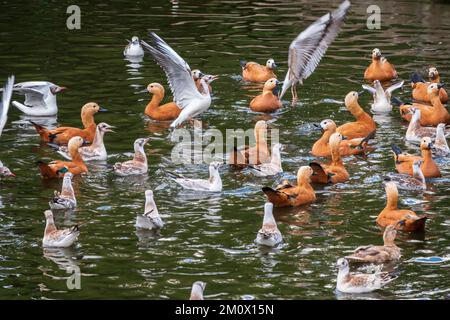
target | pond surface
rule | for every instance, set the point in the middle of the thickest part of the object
(209, 237)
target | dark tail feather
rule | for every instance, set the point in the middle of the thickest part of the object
(319, 175)
(396, 101)
(367, 139)
(419, 224)
(243, 62)
(415, 77)
(46, 172)
(53, 146)
(276, 197)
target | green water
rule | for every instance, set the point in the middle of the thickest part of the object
(209, 237)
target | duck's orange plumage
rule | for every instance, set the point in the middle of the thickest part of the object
(254, 72)
(334, 172)
(379, 69)
(165, 112)
(429, 115)
(321, 147)
(57, 169)
(404, 162)
(391, 215)
(364, 124)
(420, 87)
(62, 135)
(268, 101)
(287, 195)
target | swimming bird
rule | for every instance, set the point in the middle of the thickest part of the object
(185, 93)
(4, 107)
(208, 78)
(134, 48)
(360, 283)
(378, 254)
(381, 98)
(66, 198)
(40, 98)
(138, 165)
(333, 172)
(440, 146)
(94, 152)
(404, 161)
(308, 48)
(58, 238)
(321, 148)
(287, 194)
(420, 86)
(273, 167)
(364, 124)
(165, 112)
(252, 155)
(254, 72)
(379, 69)
(415, 132)
(62, 135)
(416, 182)
(213, 184)
(197, 290)
(150, 219)
(58, 168)
(391, 215)
(430, 115)
(268, 101)
(269, 235)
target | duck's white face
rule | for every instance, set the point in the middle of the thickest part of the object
(197, 74)
(271, 64)
(135, 40)
(75, 142)
(432, 88)
(433, 73)
(335, 138)
(426, 143)
(376, 53)
(305, 171)
(327, 124)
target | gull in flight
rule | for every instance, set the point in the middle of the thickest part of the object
(179, 75)
(308, 48)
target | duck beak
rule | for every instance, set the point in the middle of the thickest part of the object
(85, 143)
(441, 85)
(344, 138)
(143, 91)
(430, 145)
(275, 65)
(102, 110)
(317, 127)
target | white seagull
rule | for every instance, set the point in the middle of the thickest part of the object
(360, 283)
(179, 76)
(381, 98)
(197, 290)
(273, 167)
(151, 218)
(40, 98)
(213, 184)
(440, 146)
(308, 48)
(269, 235)
(134, 48)
(4, 107)
(66, 198)
(58, 238)
(138, 165)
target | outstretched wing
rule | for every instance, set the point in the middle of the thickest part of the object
(177, 70)
(4, 104)
(395, 86)
(369, 88)
(34, 91)
(308, 48)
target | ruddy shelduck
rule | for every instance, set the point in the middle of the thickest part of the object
(420, 86)
(62, 135)
(416, 182)
(286, 194)
(57, 168)
(405, 220)
(254, 72)
(321, 148)
(335, 171)
(364, 124)
(268, 101)
(404, 162)
(380, 69)
(165, 112)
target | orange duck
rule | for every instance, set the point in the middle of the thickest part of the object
(287, 195)
(420, 87)
(254, 72)
(57, 168)
(268, 101)
(364, 124)
(405, 220)
(404, 162)
(380, 69)
(62, 135)
(253, 155)
(334, 172)
(154, 110)
(429, 115)
(321, 147)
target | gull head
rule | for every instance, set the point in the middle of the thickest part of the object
(104, 127)
(390, 233)
(5, 172)
(342, 263)
(271, 64)
(214, 166)
(135, 40)
(148, 194)
(68, 177)
(209, 78)
(140, 143)
(54, 89)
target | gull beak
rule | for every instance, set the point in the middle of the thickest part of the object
(110, 129)
(214, 77)
(146, 140)
(11, 174)
(361, 92)
(60, 89)
(102, 110)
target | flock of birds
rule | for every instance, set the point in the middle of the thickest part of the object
(192, 96)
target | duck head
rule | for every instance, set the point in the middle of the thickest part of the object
(90, 109)
(433, 73)
(433, 89)
(197, 74)
(304, 173)
(271, 64)
(426, 143)
(326, 125)
(156, 89)
(376, 54)
(272, 85)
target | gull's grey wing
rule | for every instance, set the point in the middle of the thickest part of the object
(177, 71)
(35, 92)
(6, 99)
(395, 86)
(369, 88)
